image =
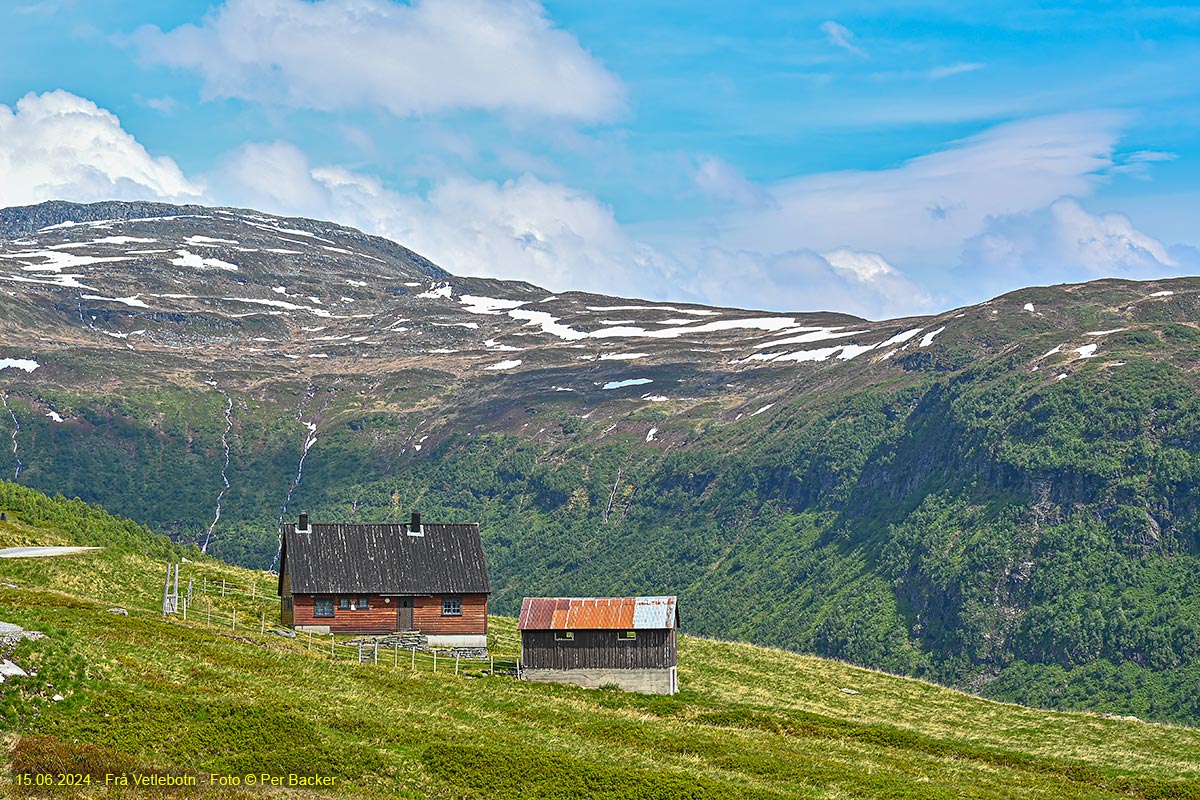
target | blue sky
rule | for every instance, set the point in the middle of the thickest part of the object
(877, 158)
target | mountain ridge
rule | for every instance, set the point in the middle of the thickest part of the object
(1001, 497)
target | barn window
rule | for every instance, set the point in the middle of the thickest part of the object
(322, 606)
(626, 636)
(287, 604)
(363, 602)
(344, 604)
(451, 606)
(564, 636)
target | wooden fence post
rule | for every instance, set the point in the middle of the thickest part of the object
(209, 619)
(376, 651)
(435, 660)
(331, 653)
(414, 659)
(235, 619)
(395, 655)
(456, 664)
(263, 627)
(185, 605)
(310, 640)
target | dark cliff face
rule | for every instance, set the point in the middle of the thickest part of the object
(1003, 497)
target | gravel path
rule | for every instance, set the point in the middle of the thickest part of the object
(41, 552)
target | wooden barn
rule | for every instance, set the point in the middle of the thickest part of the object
(597, 641)
(379, 579)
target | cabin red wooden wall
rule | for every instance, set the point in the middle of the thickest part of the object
(380, 616)
(427, 615)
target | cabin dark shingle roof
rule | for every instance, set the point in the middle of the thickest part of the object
(385, 559)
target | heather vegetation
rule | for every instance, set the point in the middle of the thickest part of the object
(1026, 534)
(151, 696)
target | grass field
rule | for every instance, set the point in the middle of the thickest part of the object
(143, 695)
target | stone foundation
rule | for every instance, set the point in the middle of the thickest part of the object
(646, 681)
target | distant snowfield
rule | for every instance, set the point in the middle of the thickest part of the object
(186, 258)
(208, 241)
(129, 301)
(57, 260)
(702, 312)
(630, 382)
(320, 312)
(927, 339)
(29, 365)
(506, 364)
(622, 356)
(844, 352)
(434, 292)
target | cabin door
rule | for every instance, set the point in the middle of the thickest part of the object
(404, 614)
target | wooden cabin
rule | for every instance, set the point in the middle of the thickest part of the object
(380, 579)
(598, 641)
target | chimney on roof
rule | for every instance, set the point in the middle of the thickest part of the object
(302, 527)
(414, 528)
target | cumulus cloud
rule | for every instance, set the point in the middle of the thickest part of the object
(1000, 204)
(843, 37)
(527, 229)
(428, 57)
(57, 145)
(1066, 243)
(562, 238)
(803, 280)
(720, 181)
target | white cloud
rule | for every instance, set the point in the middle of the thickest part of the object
(921, 211)
(843, 37)
(949, 71)
(802, 280)
(559, 237)
(719, 180)
(1000, 204)
(1066, 243)
(523, 229)
(424, 58)
(57, 145)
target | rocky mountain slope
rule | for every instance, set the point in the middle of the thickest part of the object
(1002, 497)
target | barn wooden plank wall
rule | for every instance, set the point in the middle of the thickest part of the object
(591, 649)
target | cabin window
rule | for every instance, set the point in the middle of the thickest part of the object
(345, 604)
(451, 606)
(322, 606)
(363, 602)
(287, 604)
(564, 636)
(626, 636)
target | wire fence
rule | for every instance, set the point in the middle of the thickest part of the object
(355, 650)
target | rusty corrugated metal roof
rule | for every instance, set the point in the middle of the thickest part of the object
(598, 613)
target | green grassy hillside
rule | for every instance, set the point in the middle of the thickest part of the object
(147, 695)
